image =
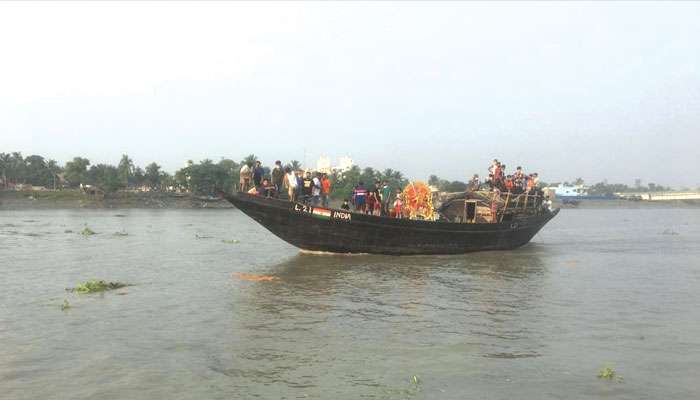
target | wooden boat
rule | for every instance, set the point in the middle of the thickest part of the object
(321, 229)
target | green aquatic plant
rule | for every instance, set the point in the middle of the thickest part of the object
(87, 232)
(65, 305)
(93, 286)
(610, 374)
(606, 373)
(68, 231)
(233, 241)
(123, 233)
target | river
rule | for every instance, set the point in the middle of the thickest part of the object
(221, 309)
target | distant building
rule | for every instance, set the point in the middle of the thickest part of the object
(345, 163)
(324, 164)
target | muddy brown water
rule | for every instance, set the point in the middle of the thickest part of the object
(221, 309)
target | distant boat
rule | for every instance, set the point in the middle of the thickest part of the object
(319, 229)
(569, 194)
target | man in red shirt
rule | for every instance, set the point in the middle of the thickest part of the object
(325, 190)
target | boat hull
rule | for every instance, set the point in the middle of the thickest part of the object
(338, 231)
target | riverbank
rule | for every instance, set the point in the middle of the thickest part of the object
(75, 199)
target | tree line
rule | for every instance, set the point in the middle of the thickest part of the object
(205, 178)
(39, 171)
(208, 177)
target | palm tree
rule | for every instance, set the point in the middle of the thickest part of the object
(388, 174)
(126, 169)
(250, 160)
(296, 165)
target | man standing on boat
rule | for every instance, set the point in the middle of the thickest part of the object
(290, 183)
(277, 177)
(245, 174)
(307, 185)
(359, 196)
(325, 190)
(475, 183)
(385, 194)
(316, 190)
(258, 174)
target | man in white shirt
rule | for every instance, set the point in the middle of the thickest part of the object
(316, 191)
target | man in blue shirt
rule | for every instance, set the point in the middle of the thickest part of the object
(258, 173)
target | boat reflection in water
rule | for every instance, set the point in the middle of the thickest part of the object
(384, 315)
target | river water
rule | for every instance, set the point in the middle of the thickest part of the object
(596, 288)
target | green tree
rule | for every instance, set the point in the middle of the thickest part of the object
(17, 167)
(434, 181)
(153, 176)
(76, 171)
(4, 167)
(344, 182)
(208, 178)
(454, 186)
(295, 165)
(250, 160)
(55, 170)
(232, 170)
(444, 185)
(139, 177)
(167, 181)
(105, 176)
(36, 171)
(126, 170)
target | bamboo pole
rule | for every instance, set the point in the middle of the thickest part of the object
(505, 207)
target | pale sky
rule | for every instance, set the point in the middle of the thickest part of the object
(571, 89)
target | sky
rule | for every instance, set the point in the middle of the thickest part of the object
(599, 90)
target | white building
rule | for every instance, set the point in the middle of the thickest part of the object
(345, 163)
(324, 164)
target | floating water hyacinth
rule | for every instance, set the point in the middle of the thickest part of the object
(233, 241)
(121, 233)
(65, 305)
(87, 232)
(93, 286)
(606, 373)
(609, 373)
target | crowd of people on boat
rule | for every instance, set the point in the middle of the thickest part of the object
(516, 183)
(378, 199)
(498, 179)
(314, 188)
(304, 187)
